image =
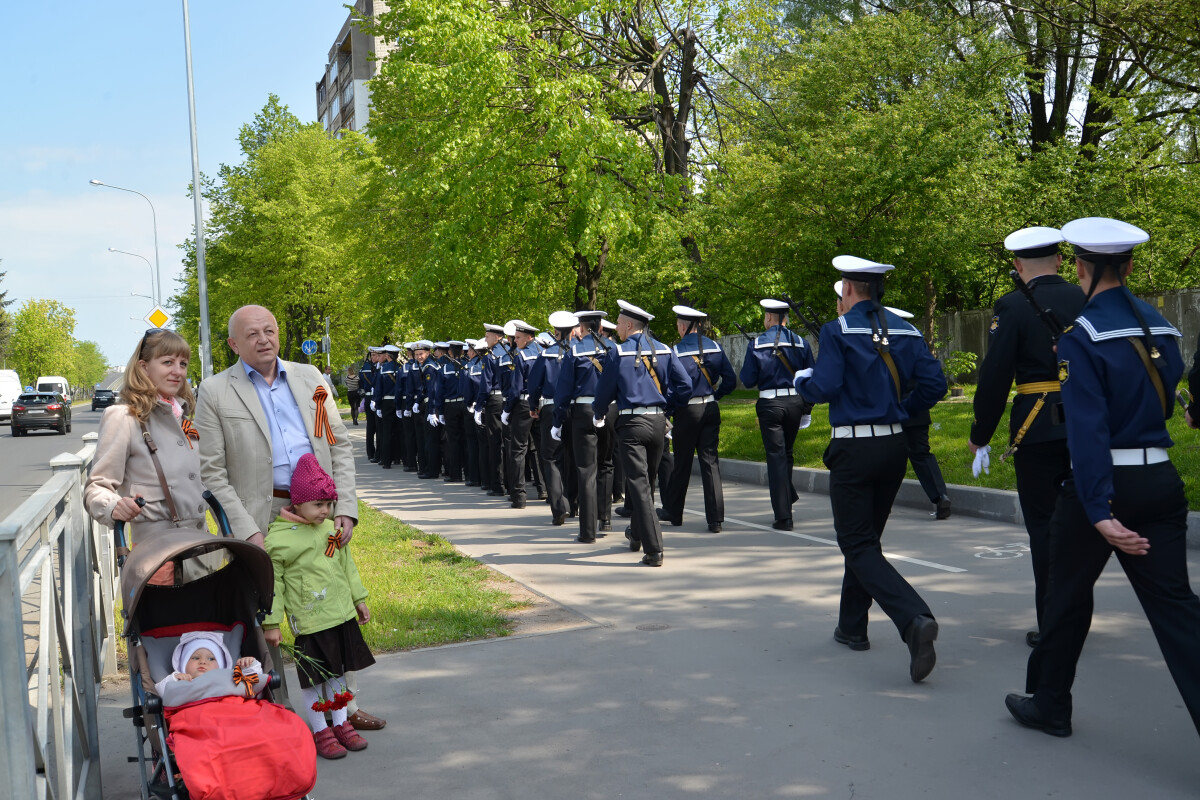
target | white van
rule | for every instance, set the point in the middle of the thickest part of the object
(54, 383)
(10, 388)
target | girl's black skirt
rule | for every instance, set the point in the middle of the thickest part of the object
(331, 653)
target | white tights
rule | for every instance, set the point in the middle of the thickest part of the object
(316, 719)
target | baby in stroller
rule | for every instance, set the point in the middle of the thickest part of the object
(200, 653)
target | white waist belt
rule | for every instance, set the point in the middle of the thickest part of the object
(546, 401)
(699, 401)
(776, 392)
(385, 397)
(578, 401)
(523, 396)
(865, 431)
(495, 392)
(1139, 456)
(453, 400)
(640, 410)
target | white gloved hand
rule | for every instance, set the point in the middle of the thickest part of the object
(802, 373)
(372, 405)
(983, 461)
(379, 413)
(556, 434)
(599, 421)
(441, 419)
(407, 413)
(504, 418)
(479, 418)
(416, 408)
(431, 420)
(805, 421)
(399, 413)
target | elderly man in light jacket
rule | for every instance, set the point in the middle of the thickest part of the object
(256, 419)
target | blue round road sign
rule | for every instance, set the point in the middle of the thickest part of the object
(309, 347)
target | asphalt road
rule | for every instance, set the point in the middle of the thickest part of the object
(25, 461)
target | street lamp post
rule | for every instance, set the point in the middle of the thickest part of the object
(154, 219)
(148, 264)
(206, 369)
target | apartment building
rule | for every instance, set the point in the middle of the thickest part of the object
(343, 101)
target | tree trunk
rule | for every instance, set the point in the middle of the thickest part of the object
(930, 329)
(587, 278)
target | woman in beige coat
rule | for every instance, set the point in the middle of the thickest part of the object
(155, 400)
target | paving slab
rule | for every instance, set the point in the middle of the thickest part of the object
(716, 675)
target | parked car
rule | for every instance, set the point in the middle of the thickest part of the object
(10, 389)
(103, 398)
(40, 410)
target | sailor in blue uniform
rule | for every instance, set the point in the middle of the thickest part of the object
(770, 362)
(515, 413)
(428, 425)
(645, 379)
(489, 405)
(1021, 348)
(556, 457)
(697, 427)
(868, 357)
(419, 378)
(407, 429)
(468, 384)
(366, 387)
(1118, 366)
(591, 445)
(608, 332)
(451, 411)
(385, 406)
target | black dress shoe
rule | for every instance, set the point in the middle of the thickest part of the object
(410, 469)
(618, 497)
(943, 509)
(919, 637)
(714, 527)
(373, 460)
(782, 524)
(495, 493)
(606, 525)
(574, 512)
(634, 544)
(622, 511)
(471, 483)
(518, 503)
(542, 495)
(853, 642)
(386, 466)
(585, 539)
(665, 517)
(1025, 711)
(558, 519)
(652, 559)
(1032, 638)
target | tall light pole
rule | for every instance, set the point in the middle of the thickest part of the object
(206, 369)
(154, 299)
(154, 219)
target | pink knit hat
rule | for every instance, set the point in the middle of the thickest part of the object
(310, 482)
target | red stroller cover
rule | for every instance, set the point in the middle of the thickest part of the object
(234, 748)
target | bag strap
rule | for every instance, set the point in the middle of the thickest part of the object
(162, 478)
(704, 372)
(1155, 378)
(891, 365)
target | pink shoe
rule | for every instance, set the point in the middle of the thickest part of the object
(327, 744)
(348, 737)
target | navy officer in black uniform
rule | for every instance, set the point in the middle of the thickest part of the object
(489, 404)
(366, 388)
(515, 411)
(698, 423)
(385, 406)
(770, 362)
(645, 379)
(557, 459)
(1118, 367)
(1020, 346)
(868, 356)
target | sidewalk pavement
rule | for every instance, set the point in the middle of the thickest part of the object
(715, 676)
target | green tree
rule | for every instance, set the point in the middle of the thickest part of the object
(41, 342)
(89, 366)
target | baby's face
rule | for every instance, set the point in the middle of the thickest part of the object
(201, 661)
(315, 511)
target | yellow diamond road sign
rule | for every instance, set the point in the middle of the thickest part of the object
(157, 317)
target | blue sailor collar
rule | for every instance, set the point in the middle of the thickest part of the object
(1108, 316)
(629, 347)
(589, 346)
(694, 344)
(787, 338)
(856, 321)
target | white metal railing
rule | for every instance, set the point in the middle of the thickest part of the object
(57, 637)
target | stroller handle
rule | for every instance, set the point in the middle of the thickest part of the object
(218, 512)
(119, 534)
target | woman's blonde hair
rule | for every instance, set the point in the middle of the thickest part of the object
(137, 391)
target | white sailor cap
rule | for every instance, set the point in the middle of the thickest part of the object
(545, 339)
(1035, 242)
(456, 343)
(373, 349)
(857, 268)
(422, 344)
(441, 345)
(510, 327)
(688, 313)
(900, 312)
(635, 312)
(773, 305)
(837, 288)
(1103, 236)
(408, 345)
(472, 344)
(390, 348)
(522, 326)
(563, 319)
(608, 326)
(490, 328)
(589, 313)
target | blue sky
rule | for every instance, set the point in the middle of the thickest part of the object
(100, 91)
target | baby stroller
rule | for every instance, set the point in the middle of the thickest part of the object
(215, 745)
